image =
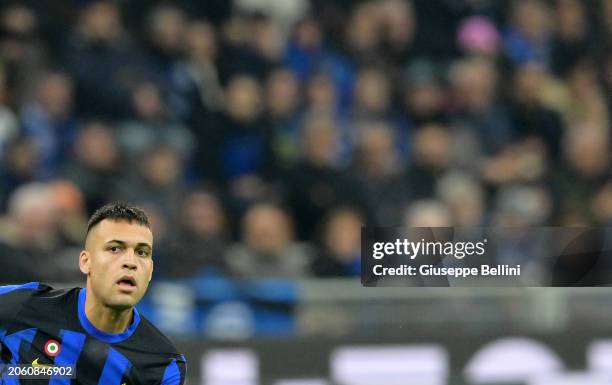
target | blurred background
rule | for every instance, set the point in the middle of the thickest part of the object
(260, 135)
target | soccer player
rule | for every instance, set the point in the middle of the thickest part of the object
(97, 328)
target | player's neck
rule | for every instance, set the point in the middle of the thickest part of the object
(107, 319)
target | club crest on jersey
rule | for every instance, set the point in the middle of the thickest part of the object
(52, 348)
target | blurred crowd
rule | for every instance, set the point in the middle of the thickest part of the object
(260, 135)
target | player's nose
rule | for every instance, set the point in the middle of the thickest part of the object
(129, 262)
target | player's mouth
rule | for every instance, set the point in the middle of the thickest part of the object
(127, 283)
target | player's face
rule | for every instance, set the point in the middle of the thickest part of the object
(118, 262)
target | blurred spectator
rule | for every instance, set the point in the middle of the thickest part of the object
(161, 227)
(399, 30)
(433, 214)
(423, 94)
(574, 38)
(427, 213)
(103, 61)
(22, 50)
(373, 100)
(165, 32)
(31, 240)
(267, 248)
(152, 125)
(521, 206)
(241, 53)
(158, 181)
(341, 245)
(586, 168)
(363, 32)
(372, 95)
(96, 166)
(529, 35)
(323, 101)
(19, 165)
(50, 122)
(431, 156)
(183, 54)
(305, 47)
(381, 30)
(306, 54)
(196, 78)
(267, 40)
(587, 99)
(316, 183)
(71, 225)
(587, 150)
(71, 214)
(283, 101)
(478, 106)
(530, 118)
(464, 197)
(201, 238)
(380, 173)
(322, 96)
(238, 144)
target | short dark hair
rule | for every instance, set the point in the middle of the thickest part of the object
(118, 211)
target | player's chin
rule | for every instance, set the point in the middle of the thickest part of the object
(123, 301)
(127, 298)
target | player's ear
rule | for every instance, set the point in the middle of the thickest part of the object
(84, 262)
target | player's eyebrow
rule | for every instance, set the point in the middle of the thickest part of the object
(142, 244)
(124, 243)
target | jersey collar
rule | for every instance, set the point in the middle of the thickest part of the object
(99, 334)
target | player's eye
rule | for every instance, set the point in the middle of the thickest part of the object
(142, 253)
(114, 249)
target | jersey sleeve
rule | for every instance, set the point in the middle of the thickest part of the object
(12, 299)
(175, 372)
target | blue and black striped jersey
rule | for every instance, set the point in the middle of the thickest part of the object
(41, 325)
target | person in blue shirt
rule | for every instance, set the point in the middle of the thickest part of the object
(96, 329)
